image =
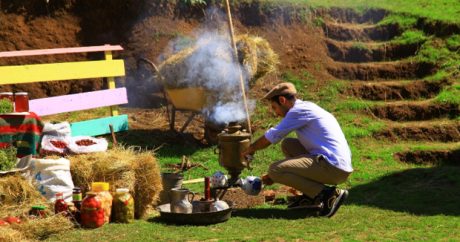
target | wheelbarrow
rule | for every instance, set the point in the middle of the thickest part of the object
(188, 99)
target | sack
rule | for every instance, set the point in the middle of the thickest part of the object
(54, 145)
(59, 129)
(87, 144)
(50, 177)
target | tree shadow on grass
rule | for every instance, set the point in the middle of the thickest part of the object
(275, 213)
(420, 191)
(171, 143)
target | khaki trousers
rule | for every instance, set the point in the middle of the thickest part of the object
(304, 172)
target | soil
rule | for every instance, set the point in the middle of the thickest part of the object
(430, 157)
(415, 90)
(344, 32)
(145, 30)
(381, 70)
(416, 111)
(449, 132)
(351, 52)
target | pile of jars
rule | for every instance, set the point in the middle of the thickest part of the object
(20, 100)
(98, 207)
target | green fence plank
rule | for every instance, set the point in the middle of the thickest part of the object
(99, 126)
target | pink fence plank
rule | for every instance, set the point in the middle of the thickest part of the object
(76, 102)
(61, 51)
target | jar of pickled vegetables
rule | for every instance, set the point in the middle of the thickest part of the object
(102, 191)
(123, 206)
(92, 213)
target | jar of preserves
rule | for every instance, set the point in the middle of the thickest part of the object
(92, 213)
(37, 211)
(123, 206)
(21, 102)
(60, 206)
(102, 191)
(7, 95)
(77, 200)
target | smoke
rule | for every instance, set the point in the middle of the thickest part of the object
(212, 65)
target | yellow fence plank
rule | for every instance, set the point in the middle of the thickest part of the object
(60, 71)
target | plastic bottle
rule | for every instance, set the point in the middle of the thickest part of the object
(92, 213)
(123, 206)
(102, 191)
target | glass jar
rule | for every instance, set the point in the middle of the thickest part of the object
(92, 213)
(37, 211)
(60, 206)
(7, 95)
(77, 200)
(123, 206)
(102, 191)
(21, 102)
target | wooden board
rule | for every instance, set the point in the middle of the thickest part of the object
(56, 51)
(60, 71)
(99, 126)
(76, 102)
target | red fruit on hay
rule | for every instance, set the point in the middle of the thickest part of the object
(12, 220)
(3, 223)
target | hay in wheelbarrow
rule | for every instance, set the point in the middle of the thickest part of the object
(121, 167)
(188, 67)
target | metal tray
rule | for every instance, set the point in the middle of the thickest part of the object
(193, 218)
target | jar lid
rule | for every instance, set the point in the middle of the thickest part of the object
(20, 93)
(39, 207)
(6, 93)
(100, 186)
(122, 190)
(77, 189)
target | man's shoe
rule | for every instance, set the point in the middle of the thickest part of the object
(332, 199)
(299, 202)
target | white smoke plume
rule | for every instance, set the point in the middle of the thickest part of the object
(212, 65)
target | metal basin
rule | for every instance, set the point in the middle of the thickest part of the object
(203, 218)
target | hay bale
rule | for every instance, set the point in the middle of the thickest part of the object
(8, 234)
(17, 196)
(40, 229)
(267, 59)
(121, 167)
(247, 55)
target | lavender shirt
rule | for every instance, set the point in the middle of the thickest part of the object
(317, 130)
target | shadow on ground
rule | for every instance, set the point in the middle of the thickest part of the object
(276, 213)
(166, 142)
(420, 191)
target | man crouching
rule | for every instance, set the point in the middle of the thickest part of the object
(319, 155)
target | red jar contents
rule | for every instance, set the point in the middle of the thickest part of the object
(7, 95)
(92, 213)
(60, 206)
(21, 102)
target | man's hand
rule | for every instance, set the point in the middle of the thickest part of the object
(266, 180)
(248, 154)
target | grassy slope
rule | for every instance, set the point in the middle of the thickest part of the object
(389, 200)
(444, 10)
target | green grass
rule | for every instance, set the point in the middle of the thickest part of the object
(445, 10)
(389, 200)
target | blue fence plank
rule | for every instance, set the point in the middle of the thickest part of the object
(99, 126)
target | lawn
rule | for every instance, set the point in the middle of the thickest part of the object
(389, 200)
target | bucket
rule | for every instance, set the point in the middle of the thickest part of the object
(169, 181)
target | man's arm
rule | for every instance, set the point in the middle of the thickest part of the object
(259, 144)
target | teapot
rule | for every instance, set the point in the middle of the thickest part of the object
(219, 205)
(219, 179)
(180, 202)
(251, 185)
